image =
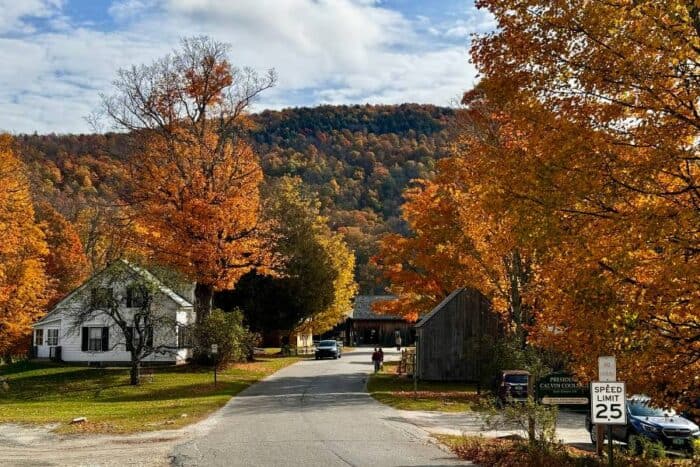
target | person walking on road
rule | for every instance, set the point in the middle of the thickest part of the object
(376, 360)
(381, 358)
(398, 341)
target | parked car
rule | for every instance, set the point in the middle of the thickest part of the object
(658, 425)
(328, 348)
(512, 386)
(693, 414)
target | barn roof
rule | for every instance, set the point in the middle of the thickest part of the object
(362, 308)
(437, 309)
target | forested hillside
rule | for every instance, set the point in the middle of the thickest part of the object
(357, 159)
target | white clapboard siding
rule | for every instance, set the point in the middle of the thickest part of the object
(173, 306)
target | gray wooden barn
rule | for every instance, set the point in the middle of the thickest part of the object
(451, 337)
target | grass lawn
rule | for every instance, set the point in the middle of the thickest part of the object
(43, 393)
(397, 391)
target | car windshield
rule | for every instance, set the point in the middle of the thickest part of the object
(516, 379)
(643, 409)
(327, 344)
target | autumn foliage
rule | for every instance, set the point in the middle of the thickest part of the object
(66, 264)
(578, 151)
(197, 205)
(23, 282)
(192, 180)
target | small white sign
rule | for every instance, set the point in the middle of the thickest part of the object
(607, 369)
(565, 400)
(214, 348)
(608, 403)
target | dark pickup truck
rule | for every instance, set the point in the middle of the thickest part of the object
(512, 386)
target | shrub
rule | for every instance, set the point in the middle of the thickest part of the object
(513, 453)
(234, 340)
(537, 422)
(645, 448)
(696, 450)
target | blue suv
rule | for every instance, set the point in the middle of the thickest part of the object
(657, 425)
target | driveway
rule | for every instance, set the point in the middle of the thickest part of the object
(571, 426)
(313, 413)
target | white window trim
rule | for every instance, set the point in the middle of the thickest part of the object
(49, 336)
(37, 333)
(92, 340)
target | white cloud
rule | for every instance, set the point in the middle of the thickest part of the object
(474, 22)
(16, 12)
(123, 10)
(329, 51)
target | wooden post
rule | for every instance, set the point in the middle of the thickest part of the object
(600, 440)
(215, 355)
(611, 461)
(415, 365)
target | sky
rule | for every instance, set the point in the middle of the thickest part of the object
(58, 55)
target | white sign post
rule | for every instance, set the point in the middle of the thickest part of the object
(608, 407)
(607, 369)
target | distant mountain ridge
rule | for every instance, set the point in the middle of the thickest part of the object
(358, 159)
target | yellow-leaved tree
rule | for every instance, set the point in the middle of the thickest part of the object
(23, 281)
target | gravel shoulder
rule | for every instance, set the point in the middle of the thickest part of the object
(22, 445)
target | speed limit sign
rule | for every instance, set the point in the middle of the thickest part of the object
(608, 403)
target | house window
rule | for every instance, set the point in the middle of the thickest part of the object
(136, 296)
(52, 337)
(184, 337)
(102, 297)
(38, 337)
(95, 339)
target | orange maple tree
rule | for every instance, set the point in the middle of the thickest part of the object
(23, 282)
(192, 182)
(66, 264)
(582, 140)
(605, 95)
(198, 207)
(461, 235)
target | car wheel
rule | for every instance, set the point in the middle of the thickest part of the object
(594, 435)
(335, 357)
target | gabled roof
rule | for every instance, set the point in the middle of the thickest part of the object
(362, 307)
(165, 290)
(437, 309)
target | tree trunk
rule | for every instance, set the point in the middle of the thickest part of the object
(135, 373)
(203, 296)
(531, 430)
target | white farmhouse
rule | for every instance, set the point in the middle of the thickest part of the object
(99, 341)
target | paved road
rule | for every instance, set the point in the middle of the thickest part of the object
(314, 413)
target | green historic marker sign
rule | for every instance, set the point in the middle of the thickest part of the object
(563, 389)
